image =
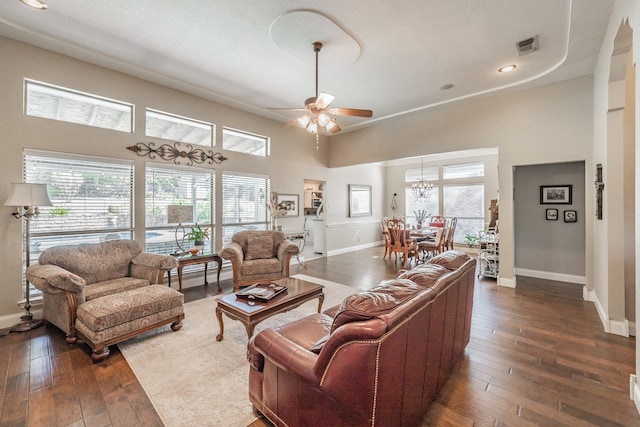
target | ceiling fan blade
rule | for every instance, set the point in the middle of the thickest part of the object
(290, 123)
(323, 101)
(350, 112)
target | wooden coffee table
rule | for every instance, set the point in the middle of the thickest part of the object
(298, 292)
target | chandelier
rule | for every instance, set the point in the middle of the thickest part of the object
(422, 189)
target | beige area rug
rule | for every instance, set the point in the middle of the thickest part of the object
(194, 380)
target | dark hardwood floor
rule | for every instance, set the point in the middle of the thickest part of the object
(537, 356)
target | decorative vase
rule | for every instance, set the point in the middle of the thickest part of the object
(274, 223)
(419, 226)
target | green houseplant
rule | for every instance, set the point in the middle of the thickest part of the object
(197, 235)
(471, 240)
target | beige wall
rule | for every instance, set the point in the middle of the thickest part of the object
(545, 125)
(612, 125)
(293, 152)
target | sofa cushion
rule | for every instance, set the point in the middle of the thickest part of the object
(451, 260)
(261, 266)
(109, 287)
(112, 310)
(424, 275)
(376, 302)
(259, 247)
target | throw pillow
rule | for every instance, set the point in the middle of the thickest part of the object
(260, 247)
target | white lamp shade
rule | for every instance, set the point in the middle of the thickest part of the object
(179, 213)
(25, 194)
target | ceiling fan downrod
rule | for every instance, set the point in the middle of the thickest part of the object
(316, 48)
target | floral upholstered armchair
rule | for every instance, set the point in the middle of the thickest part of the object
(71, 275)
(258, 255)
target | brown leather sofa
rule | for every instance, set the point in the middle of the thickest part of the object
(377, 359)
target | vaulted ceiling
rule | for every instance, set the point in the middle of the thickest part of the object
(392, 57)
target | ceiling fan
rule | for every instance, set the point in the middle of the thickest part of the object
(319, 115)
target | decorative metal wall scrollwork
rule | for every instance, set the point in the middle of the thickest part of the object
(176, 154)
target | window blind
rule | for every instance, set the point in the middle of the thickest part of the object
(92, 199)
(244, 202)
(166, 186)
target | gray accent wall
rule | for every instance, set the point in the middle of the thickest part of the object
(542, 245)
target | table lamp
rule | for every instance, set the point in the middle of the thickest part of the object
(177, 214)
(26, 199)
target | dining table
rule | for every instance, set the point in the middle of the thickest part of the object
(423, 234)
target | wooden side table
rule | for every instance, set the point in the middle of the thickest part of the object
(201, 258)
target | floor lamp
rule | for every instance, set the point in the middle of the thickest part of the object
(26, 198)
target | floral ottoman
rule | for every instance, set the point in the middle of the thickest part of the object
(114, 318)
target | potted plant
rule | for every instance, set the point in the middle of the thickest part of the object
(197, 235)
(471, 240)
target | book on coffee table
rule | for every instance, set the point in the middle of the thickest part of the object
(261, 291)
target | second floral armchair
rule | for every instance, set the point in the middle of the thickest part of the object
(258, 255)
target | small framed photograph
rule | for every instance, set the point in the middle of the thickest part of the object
(570, 216)
(555, 194)
(288, 203)
(552, 214)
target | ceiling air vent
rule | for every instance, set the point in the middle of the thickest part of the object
(527, 46)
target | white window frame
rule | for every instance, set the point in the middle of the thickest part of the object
(181, 129)
(73, 106)
(262, 151)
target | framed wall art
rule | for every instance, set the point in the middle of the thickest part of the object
(555, 194)
(552, 214)
(570, 216)
(359, 200)
(290, 203)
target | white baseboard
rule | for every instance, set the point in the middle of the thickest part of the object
(507, 283)
(548, 275)
(615, 327)
(11, 319)
(354, 248)
(635, 392)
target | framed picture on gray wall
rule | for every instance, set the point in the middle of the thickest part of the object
(570, 216)
(555, 194)
(552, 214)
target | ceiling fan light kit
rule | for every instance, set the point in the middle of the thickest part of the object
(318, 116)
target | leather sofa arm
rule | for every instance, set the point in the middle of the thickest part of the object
(284, 353)
(52, 279)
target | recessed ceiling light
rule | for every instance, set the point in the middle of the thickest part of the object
(447, 86)
(507, 68)
(36, 4)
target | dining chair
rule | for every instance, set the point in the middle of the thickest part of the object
(447, 244)
(428, 248)
(400, 242)
(385, 235)
(437, 221)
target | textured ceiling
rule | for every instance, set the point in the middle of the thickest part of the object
(388, 56)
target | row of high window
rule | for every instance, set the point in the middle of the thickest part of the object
(93, 197)
(57, 103)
